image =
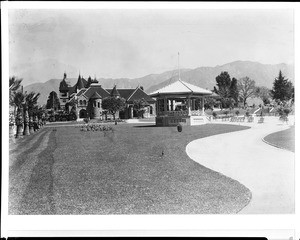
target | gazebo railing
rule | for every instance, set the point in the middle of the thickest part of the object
(173, 113)
(181, 113)
(196, 113)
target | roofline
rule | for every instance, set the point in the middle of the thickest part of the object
(179, 93)
(132, 93)
(185, 85)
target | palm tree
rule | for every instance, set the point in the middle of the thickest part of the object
(18, 101)
(30, 102)
(14, 86)
(14, 83)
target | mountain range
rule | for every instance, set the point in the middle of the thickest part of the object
(263, 74)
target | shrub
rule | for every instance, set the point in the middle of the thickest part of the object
(237, 112)
(215, 115)
(247, 114)
(73, 116)
(226, 112)
(86, 120)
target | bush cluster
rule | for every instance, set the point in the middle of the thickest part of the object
(96, 127)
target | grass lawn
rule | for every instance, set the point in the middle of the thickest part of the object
(137, 169)
(283, 139)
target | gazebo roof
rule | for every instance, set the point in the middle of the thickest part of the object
(181, 87)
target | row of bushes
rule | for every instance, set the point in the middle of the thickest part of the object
(62, 117)
(87, 120)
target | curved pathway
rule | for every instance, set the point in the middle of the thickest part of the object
(267, 171)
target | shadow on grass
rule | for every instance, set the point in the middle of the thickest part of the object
(153, 126)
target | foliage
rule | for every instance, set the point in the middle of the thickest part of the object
(215, 115)
(284, 111)
(95, 127)
(226, 112)
(246, 88)
(86, 120)
(227, 89)
(113, 104)
(53, 101)
(234, 93)
(209, 103)
(227, 102)
(247, 114)
(14, 86)
(237, 112)
(264, 94)
(139, 106)
(283, 89)
(73, 114)
(31, 102)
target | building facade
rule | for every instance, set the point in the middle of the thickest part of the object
(86, 97)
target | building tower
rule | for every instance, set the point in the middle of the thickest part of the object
(63, 92)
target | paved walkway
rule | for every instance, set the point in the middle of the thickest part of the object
(266, 170)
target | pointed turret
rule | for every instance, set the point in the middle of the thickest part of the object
(80, 83)
(115, 92)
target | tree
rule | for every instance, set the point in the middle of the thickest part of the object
(31, 101)
(227, 89)
(18, 101)
(14, 83)
(113, 104)
(209, 103)
(223, 83)
(283, 89)
(53, 101)
(234, 92)
(139, 105)
(14, 86)
(246, 88)
(264, 94)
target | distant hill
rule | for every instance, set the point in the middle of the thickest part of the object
(263, 74)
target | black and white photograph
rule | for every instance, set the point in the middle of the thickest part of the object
(150, 111)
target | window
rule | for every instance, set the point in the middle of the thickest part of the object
(95, 104)
(80, 102)
(64, 100)
(151, 110)
(98, 105)
(84, 102)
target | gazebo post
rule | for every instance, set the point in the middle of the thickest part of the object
(189, 105)
(202, 105)
(165, 104)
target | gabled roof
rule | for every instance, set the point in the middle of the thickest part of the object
(96, 88)
(139, 94)
(80, 92)
(181, 87)
(124, 92)
(95, 96)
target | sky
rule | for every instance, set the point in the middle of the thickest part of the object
(133, 43)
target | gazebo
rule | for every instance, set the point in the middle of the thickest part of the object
(180, 102)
